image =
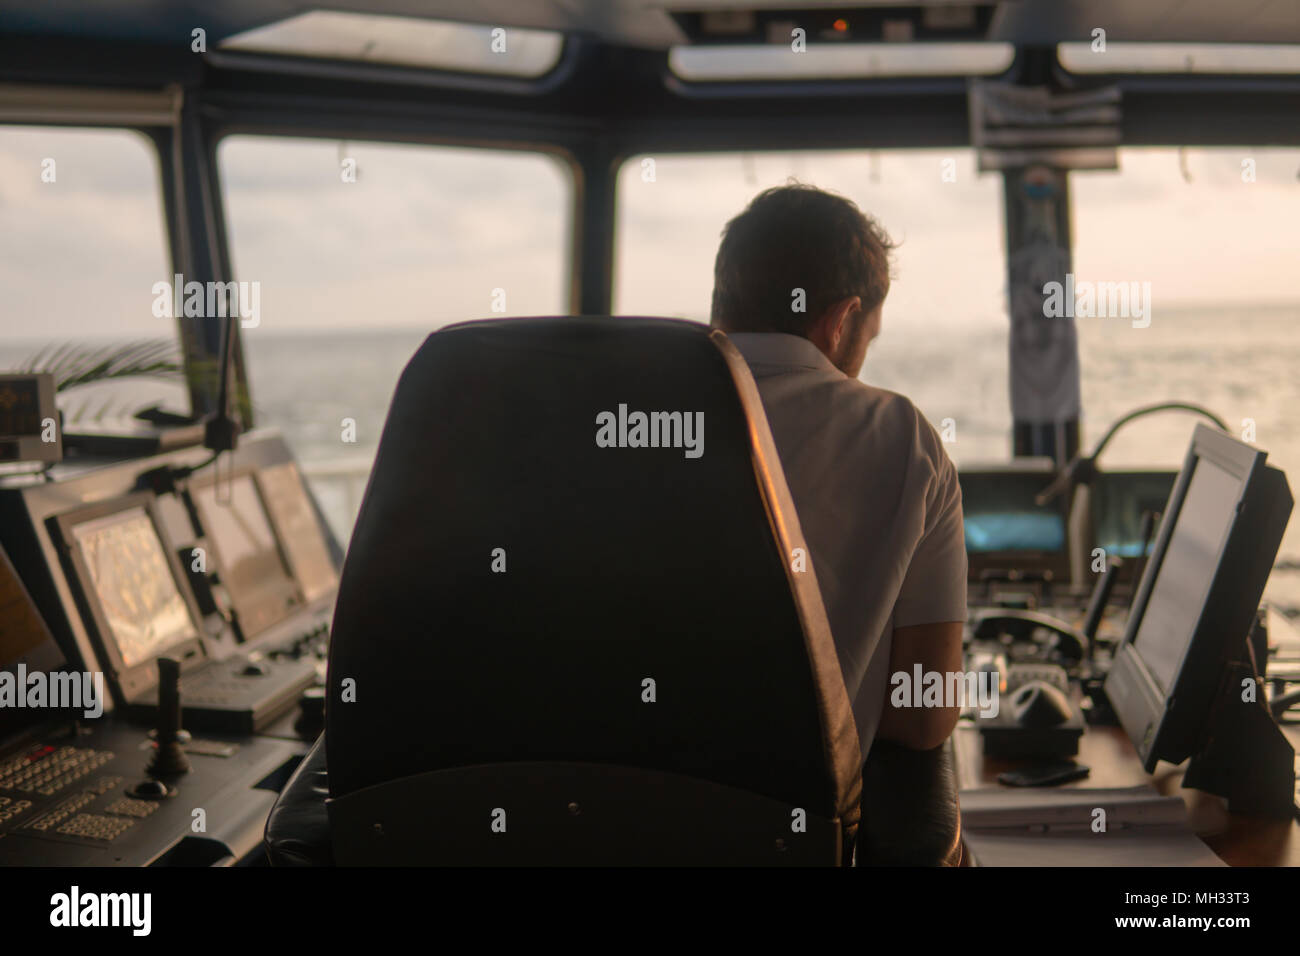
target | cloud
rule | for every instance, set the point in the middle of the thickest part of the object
(426, 233)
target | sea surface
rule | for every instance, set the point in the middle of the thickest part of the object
(1242, 364)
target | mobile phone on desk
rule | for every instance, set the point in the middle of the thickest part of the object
(1044, 774)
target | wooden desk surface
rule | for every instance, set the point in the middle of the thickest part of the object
(1236, 839)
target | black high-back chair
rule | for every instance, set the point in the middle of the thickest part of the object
(549, 650)
(560, 640)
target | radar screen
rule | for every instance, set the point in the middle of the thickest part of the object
(133, 583)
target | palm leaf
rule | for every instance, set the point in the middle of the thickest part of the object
(73, 365)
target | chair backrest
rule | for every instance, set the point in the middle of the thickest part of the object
(577, 571)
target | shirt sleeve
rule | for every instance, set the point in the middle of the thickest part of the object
(934, 585)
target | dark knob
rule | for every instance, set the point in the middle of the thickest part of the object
(150, 790)
(311, 713)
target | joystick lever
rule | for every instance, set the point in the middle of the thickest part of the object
(169, 758)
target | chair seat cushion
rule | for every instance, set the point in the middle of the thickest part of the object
(298, 829)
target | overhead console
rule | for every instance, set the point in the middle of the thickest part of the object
(704, 22)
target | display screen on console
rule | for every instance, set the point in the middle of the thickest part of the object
(1119, 500)
(134, 584)
(1187, 570)
(1000, 515)
(21, 628)
(247, 552)
(286, 500)
(20, 406)
(23, 634)
(26, 646)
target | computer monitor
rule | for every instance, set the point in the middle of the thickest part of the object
(298, 529)
(1006, 530)
(245, 551)
(1196, 603)
(1119, 500)
(29, 419)
(130, 589)
(26, 647)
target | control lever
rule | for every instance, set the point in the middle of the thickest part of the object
(1149, 519)
(1100, 597)
(169, 758)
(1101, 711)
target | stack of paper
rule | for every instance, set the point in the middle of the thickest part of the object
(1133, 826)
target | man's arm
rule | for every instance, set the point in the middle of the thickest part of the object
(931, 605)
(936, 647)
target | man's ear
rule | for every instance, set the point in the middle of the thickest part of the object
(830, 328)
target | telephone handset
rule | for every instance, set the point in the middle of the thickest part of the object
(1052, 638)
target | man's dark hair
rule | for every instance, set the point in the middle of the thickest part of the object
(797, 237)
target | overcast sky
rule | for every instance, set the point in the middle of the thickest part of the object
(425, 236)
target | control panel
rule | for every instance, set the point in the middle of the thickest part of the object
(163, 647)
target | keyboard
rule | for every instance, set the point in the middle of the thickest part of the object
(47, 770)
(66, 797)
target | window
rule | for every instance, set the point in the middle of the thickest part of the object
(360, 250)
(83, 243)
(944, 333)
(838, 61)
(1179, 57)
(1212, 232)
(406, 41)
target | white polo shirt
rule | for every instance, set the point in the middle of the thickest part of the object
(878, 501)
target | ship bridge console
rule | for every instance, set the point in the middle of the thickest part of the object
(566, 614)
(111, 567)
